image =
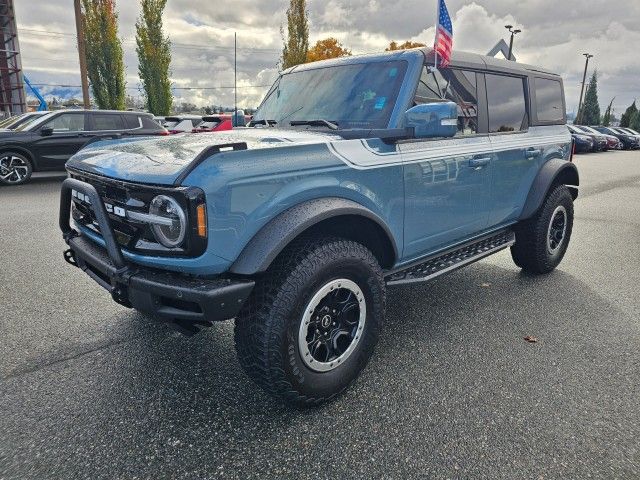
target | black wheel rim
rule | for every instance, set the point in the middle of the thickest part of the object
(332, 325)
(557, 230)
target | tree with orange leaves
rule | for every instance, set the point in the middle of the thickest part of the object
(404, 46)
(327, 48)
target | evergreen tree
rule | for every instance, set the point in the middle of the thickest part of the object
(296, 45)
(154, 57)
(105, 64)
(635, 122)
(606, 119)
(590, 113)
(625, 120)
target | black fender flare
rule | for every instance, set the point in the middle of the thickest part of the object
(554, 171)
(272, 239)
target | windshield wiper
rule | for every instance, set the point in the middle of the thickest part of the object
(316, 123)
(267, 123)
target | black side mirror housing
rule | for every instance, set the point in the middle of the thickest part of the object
(46, 131)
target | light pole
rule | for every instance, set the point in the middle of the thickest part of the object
(584, 80)
(513, 34)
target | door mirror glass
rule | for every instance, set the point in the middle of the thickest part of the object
(46, 131)
(432, 120)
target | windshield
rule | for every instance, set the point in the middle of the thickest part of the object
(35, 123)
(351, 96)
(587, 130)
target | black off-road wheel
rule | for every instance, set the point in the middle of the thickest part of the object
(15, 168)
(313, 320)
(542, 241)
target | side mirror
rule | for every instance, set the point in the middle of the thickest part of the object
(432, 120)
(46, 131)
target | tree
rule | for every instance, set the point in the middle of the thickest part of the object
(105, 64)
(625, 120)
(154, 57)
(606, 119)
(325, 49)
(393, 46)
(635, 122)
(590, 112)
(296, 45)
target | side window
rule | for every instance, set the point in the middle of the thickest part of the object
(132, 121)
(458, 86)
(549, 105)
(67, 122)
(108, 122)
(507, 105)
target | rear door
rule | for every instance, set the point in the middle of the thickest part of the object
(447, 182)
(515, 161)
(69, 136)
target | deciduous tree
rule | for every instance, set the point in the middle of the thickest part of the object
(327, 48)
(606, 119)
(154, 57)
(296, 44)
(105, 64)
(403, 46)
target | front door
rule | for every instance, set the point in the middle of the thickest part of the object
(447, 182)
(69, 136)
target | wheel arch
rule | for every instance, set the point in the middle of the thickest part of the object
(554, 172)
(328, 216)
(22, 151)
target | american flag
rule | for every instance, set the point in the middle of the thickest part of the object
(444, 36)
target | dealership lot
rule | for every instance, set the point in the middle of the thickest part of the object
(89, 389)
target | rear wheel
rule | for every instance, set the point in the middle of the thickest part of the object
(15, 168)
(542, 241)
(313, 321)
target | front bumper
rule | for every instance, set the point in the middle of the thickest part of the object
(188, 301)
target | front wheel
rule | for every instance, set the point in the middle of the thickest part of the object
(15, 168)
(313, 321)
(542, 241)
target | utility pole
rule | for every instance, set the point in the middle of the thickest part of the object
(235, 78)
(584, 80)
(513, 34)
(82, 55)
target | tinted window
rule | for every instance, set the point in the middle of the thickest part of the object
(67, 122)
(132, 121)
(354, 96)
(507, 106)
(107, 122)
(457, 86)
(549, 104)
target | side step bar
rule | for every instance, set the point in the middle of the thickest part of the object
(449, 260)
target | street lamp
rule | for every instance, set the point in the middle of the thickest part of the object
(584, 80)
(513, 34)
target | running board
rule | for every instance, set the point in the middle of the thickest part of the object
(445, 262)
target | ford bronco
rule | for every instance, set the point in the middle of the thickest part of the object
(355, 174)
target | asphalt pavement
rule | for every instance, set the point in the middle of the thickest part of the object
(89, 389)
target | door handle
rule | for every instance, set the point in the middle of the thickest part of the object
(479, 162)
(532, 152)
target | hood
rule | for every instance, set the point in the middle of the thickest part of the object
(161, 160)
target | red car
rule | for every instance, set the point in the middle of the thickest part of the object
(216, 123)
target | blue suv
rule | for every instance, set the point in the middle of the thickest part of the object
(355, 174)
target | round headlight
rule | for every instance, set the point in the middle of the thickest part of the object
(170, 236)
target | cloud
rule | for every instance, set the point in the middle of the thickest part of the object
(555, 34)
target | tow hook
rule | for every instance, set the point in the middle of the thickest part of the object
(70, 257)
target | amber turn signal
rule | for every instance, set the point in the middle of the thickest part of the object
(201, 212)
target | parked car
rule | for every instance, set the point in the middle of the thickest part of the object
(376, 170)
(49, 141)
(214, 123)
(629, 142)
(599, 143)
(612, 142)
(182, 124)
(12, 123)
(630, 131)
(583, 143)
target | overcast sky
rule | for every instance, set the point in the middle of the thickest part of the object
(555, 34)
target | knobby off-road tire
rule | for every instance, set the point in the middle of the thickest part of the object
(314, 288)
(542, 241)
(15, 168)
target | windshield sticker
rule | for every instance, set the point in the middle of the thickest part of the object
(393, 73)
(380, 103)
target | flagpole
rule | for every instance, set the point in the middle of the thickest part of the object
(435, 44)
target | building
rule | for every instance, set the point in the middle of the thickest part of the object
(12, 94)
